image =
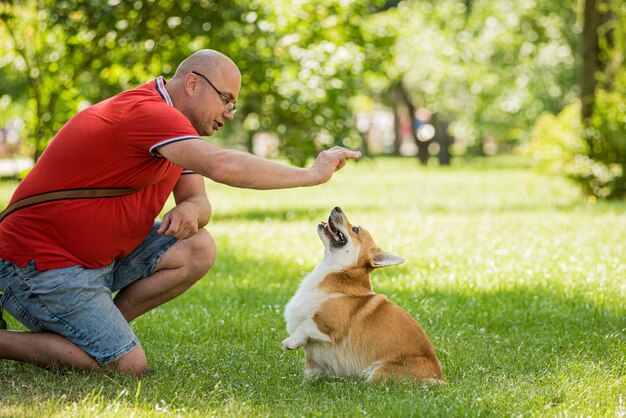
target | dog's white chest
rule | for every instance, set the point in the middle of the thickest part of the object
(307, 299)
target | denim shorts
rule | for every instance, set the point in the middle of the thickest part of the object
(77, 302)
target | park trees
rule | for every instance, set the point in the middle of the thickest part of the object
(489, 70)
(586, 141)
(301, 61)
(490, 67)
(61, 56)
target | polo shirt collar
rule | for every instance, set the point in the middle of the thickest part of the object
(160, 86)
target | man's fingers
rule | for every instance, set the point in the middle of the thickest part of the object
(176, 229)
(169, 225)
(353, 154)
(341, 153)
(164, 225)
(346, 153)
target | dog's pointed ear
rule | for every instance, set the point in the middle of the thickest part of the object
(385, 259)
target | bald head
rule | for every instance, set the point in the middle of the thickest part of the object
(207, 60)
(205, 88)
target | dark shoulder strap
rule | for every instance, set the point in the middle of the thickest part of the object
(65, 194)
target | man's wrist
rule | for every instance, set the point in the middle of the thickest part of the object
(312, 177)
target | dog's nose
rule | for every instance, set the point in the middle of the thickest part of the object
(338, 209)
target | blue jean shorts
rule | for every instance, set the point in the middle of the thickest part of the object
(77, 302)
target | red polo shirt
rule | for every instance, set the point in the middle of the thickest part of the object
(111, 144)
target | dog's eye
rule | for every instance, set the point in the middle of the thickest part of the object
(356, 230)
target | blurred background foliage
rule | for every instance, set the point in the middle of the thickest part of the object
(540, 77)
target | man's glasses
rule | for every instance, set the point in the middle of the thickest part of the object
(230, 104)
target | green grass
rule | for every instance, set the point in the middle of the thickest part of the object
(519, 282)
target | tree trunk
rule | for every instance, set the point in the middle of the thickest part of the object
(250, 141)
(443, 138)
(397, 97)
(468, 7)
(590, 53)
(422, 147)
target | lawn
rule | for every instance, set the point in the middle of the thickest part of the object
(517, 279)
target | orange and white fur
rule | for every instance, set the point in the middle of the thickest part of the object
(347, 329)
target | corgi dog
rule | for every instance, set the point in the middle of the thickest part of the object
(344, 327)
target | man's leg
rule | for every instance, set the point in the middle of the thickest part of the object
(49, 350)
(75, 323)
(180, 267)
(45, 349)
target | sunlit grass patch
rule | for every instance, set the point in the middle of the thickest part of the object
(518, 281)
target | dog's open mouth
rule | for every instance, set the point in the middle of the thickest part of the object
(337, 238)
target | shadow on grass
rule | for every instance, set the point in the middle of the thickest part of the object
(317, 213)
(286, 214)
(283, 215)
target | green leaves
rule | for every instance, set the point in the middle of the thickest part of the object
(490, 67)
(301, 62)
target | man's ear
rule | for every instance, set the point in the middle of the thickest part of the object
(385, 259)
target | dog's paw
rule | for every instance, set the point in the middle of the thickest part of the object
(290, 344)
(313, 372)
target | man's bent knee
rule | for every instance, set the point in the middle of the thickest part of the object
(203, 252)
(196, 255)
(134, 362)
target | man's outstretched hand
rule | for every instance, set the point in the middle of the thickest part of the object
(331, 160)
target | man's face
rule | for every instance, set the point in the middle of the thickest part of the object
(214, 100)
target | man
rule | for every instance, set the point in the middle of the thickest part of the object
(60, 261)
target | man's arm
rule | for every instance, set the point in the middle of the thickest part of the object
(240, 169)
(192, 210)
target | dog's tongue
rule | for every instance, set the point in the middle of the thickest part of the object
(331, 226)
